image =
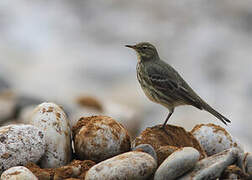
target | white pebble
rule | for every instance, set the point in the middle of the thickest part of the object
(177, 163)
(53, 121)
(213, 166)
(131, 165)
(20, 144)
(18, 173)
(214, 139)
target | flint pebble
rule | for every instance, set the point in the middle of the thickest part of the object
(99, 137)
(131, 165)
(53, 121)
(213, 166)
(18, 173)
(214, 139)
(146, 148)
(177, 164)
(20, 144)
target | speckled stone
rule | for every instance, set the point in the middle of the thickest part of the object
(131, 165)
(20, 144)
(18, 173)
(213, 166)
(99, 137)
(177, 164)
(53, 121)
(214, 139)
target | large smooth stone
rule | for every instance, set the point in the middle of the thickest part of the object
(53, 121)
(18, 173)
(99, 137)
(213, 166)
(177, 164)
(133, 165)
(20, 144)
(214, 138)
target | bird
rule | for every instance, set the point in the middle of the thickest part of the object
(162, 84)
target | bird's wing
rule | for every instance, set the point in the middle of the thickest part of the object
(167, 80)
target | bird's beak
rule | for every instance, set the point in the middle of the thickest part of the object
(131, 46)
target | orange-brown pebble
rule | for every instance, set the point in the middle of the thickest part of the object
(177, 136)
(99, 137)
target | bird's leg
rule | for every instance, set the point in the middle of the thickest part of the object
(166, 120)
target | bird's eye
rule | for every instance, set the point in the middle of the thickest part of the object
(144, 47)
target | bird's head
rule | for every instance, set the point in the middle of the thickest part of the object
(145, 51)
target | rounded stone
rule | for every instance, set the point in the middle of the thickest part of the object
(177, 136)
(20, 144)
(131, 165)
(99, 137)
(53, 121)
(165, 151)
(214, 139)
(18, 173)
(177, 164)
(212, 167)
(146, 148)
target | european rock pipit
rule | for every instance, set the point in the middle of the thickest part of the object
(162, 84)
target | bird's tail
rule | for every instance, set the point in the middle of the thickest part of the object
(216, 114)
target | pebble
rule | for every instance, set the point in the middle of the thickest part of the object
(99, 137)
(53, 121)
(20, 144)
(131, 165)
(177, 137)
(18, 173)
(214, 139)
(177, 164)
(213, 166)
(165, 151)
(146, 148)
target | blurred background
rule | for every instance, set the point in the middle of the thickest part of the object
(72, 53)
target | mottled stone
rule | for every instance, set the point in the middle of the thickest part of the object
(99, 137)
(53, 121)
(18, 173)
(131, 165)
(213, 166)
(20, 144)
(177, 164)
(177, 136)
(214, 139)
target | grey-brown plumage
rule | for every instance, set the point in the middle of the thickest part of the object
(162, 84)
